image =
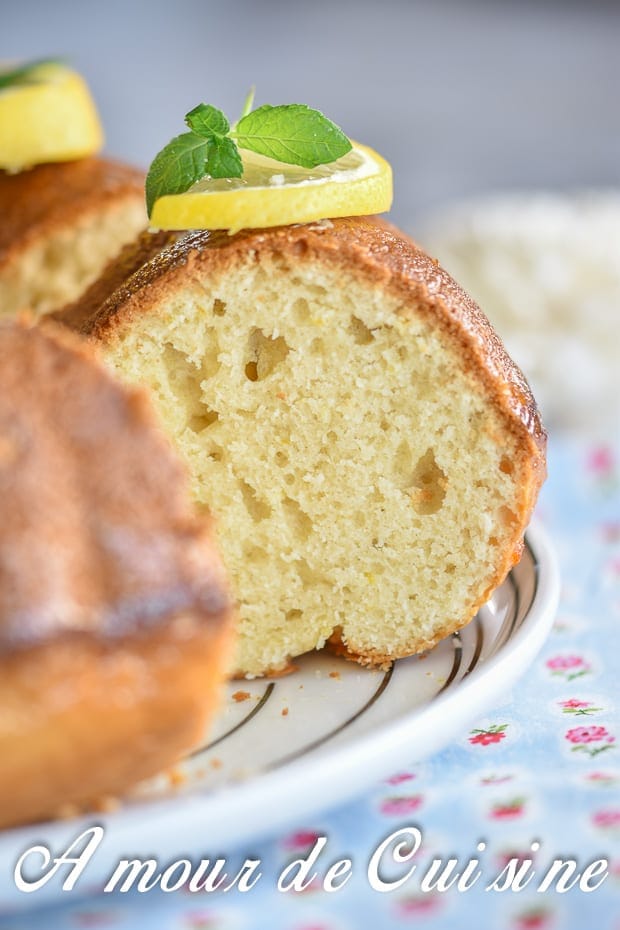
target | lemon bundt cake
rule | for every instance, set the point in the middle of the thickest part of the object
(61, 223)
(115, 626)
(369, 451)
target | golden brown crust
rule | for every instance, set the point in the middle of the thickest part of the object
(82, 718)
(37, 202)
(115, 619)
(131, 257)
(372, 248)
(97, 529)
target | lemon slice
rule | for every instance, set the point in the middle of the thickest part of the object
(51, 118)
(271, 193)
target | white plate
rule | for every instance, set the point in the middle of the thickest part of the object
(284, 749)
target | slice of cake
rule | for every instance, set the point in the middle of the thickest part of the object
(64, 211)
(370, 453)
(115, 623)
(61, 223)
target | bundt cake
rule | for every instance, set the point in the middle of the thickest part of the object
(370, 453)
(61, 223)
(115, 623)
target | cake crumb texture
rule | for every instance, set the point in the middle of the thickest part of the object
(61, 224)
(369, 452)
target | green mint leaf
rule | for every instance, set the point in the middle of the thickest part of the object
(207, 121)
(25, 74)
(179, 165)
(294, 134)
(223, 159)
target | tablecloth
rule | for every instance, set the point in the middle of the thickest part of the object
(535, 780)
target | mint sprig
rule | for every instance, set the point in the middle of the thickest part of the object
(25, 74)
(294, 134)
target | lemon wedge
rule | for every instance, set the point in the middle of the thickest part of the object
(271, 193)
(50, 118)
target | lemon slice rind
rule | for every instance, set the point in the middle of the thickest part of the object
(367, 190)
(54, 119)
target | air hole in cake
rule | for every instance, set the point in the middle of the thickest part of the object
(317, 347)
(184, 380)
(176, 364)
(216, 454)
(506, 465)
(301, 310)
(265, 354)
(360, 332)
(257, 508)
(300, 522)
(281, 458)
(202, 421)
(293, 614)
(255, 555)
(428, 487)
(219, 307)
(251, 371)
(210, 360)
(402, 465)
(306, 574)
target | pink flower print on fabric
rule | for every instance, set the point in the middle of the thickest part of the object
(397, 806)
(613, 567)
(601, 465)
(610, 532)
(493, 734)
(588, 734)
(578, 708)
(201, 920)
(581, 736)
(495, 779)
(600, 461)
(568, 667)
(535, 918)
(399, 778)
(96, 918)
(608, 819)
(507, 855)
(418, 905)
(602, 779)
(507, 810)
(302, 839)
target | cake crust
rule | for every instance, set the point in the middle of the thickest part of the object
(115, 617)
(370, 246)
(37, 202)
